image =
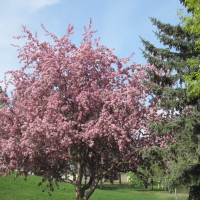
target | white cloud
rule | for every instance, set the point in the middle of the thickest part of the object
(41, 3)
(30, 5)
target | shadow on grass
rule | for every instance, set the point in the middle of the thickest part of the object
(110, 187)
(107, 186)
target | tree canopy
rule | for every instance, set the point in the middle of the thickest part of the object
(75, 110)
(170, 92)
(191, 25)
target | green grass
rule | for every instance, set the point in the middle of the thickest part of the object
(28, 190)
(114, 192)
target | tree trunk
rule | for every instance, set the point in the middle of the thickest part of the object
(151, 183)
(119, 178)
(176, 197)
(74, 176)
(101, 183)
(80, 191)
(111, 179)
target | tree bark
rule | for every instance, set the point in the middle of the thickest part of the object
(80, 191)
(119, 178)
(101, 183)
(176, 197)
(111, 179)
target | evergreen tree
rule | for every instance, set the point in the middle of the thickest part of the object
(170, 94)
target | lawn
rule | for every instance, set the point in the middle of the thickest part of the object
(28, 190)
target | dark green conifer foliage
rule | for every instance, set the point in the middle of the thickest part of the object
(169, 93)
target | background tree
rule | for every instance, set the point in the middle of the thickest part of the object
(169, 91)
(191, 24)
(3, 99)
(74, 110)
(139, 179)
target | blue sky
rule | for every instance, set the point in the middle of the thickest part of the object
(119, 23)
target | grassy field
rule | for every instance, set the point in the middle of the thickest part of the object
(28, 190)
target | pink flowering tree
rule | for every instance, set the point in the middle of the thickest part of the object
(74, 110)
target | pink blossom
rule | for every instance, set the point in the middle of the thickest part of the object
(78, 107)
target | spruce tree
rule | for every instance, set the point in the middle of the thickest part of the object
(170, 94)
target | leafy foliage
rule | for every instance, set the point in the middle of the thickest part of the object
(191, 24)
(137, 180)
